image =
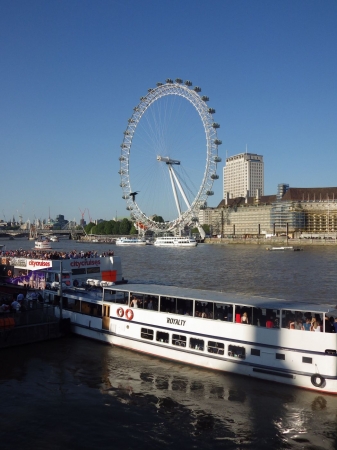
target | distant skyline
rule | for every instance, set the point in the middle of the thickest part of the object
(73, 70)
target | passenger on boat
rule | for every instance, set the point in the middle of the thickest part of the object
(328, 327)
(316, 326)
(313, 321)
(150, 305)
(270, 323)
(244, 318)
(335, 325)
(298, 325)
(307, 324)
(134, 302)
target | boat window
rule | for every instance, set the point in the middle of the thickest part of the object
(78, 271)
(93, 270)
(175, 305)
(197, 344)
(281, 356)
(146, 333)
(205, 310)
(144, 301)
(223, 312)
(306, 360)
(162, 337)
(177, 339)
(297, 320)
(236, 351)
(255, 352)
(120, 297)
(216, 347)
(244, 315)
(269, 318)
(91, 309)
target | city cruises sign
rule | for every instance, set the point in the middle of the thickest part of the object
(31, 264)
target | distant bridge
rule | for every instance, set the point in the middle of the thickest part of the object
(71, 233)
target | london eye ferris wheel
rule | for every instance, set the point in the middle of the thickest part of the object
(169, 157)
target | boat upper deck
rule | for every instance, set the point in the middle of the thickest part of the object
(204, 296)
(227, 298)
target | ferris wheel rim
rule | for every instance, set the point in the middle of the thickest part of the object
(200, 105)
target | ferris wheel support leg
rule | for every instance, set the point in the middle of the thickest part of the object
(171, 172)
(201, 230)
(180, 189)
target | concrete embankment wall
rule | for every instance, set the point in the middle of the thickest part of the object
(272, 242)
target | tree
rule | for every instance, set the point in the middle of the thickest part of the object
(125, 226)
(109, 227)
(89, 227)
(158, 219)
(133, 229)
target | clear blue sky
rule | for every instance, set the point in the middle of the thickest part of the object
(72, 72)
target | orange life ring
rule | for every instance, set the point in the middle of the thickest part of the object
(120, 312)
(129, 314)
(9, 273)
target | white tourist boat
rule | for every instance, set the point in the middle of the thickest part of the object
(130, 241)
(292, 249)
(175, 241)
(43, 243)
(204, 328)
(32, 273)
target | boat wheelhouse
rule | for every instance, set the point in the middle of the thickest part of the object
(175, 241)
(206, 328)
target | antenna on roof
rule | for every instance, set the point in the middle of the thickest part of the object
(246, 149)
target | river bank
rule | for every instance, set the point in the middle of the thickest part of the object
(279, 241)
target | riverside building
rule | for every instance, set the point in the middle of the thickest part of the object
(243, 173)
(297, 212)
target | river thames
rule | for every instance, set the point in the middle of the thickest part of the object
(74, 393)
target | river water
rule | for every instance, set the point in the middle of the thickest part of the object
(73, 393)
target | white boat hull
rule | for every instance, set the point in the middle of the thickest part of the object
(127, 333)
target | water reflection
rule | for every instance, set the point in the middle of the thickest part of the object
(242, 412)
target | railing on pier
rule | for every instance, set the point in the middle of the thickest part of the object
(33, 315)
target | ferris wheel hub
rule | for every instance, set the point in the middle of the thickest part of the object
(168, 160)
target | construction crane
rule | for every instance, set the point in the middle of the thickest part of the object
(90, 219)
(82, 214)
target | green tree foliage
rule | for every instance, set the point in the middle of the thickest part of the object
(125, 226)
(88, 227)
(111, 227)
(133, 230)
(158, 219)
(205, 227)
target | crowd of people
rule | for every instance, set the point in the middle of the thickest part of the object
(314, 324)
(20, 303)
(44, 254)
